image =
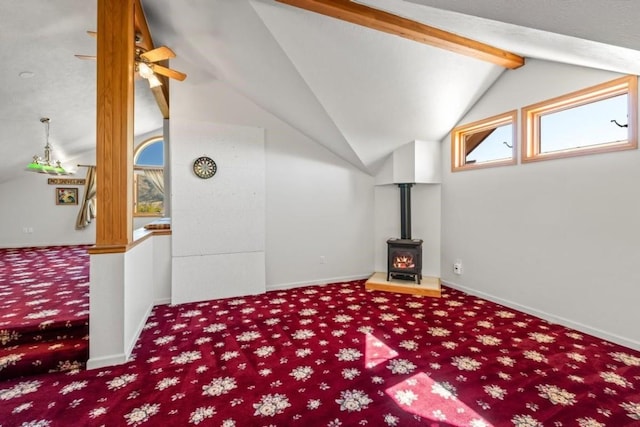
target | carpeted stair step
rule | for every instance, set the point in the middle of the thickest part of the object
(51, 331)
(43, 357)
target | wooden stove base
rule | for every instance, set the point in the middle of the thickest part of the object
(429, 286)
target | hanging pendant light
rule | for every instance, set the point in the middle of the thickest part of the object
(46, 164)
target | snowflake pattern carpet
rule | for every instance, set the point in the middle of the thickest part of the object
(44, 309)
(339, 355)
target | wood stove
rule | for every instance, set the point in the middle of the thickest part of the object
(404, 259)
(404, 255)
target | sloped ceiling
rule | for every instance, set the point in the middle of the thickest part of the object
(589, 33)
(358, 92)
(377, 89)
(609, 22)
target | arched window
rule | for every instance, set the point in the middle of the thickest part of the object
(148, 178)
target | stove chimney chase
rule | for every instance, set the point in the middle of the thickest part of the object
(405, 210)
(404, 255)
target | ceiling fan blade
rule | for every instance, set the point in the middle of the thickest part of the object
(158, 54)
(85, 57)
(168, 72)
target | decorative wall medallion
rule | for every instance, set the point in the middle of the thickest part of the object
(204, 167)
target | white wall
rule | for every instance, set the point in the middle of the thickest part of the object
(106, 310)
(142, 263)
(317, 205)
(218, 224)
(123, 289)
(29, 202)
(161, 269)
(558, 238)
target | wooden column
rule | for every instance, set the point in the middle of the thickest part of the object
(114, 125)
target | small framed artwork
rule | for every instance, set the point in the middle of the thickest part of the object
(66, 196)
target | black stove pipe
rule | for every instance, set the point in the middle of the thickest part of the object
(405, 211)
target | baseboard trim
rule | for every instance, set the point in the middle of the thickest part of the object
(162, 301)
(104, 361)
(599, 333)
(292, 285)
(120, 358)
(136, 335)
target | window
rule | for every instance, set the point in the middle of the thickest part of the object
(598, 119)
(148, 178)
(485, 143)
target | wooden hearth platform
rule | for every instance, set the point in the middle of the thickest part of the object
(429, 286)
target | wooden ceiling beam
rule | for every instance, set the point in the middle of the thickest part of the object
(376, 19)
(160, 93)
(142, 28)
(475, 139)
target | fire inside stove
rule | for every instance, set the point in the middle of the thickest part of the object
(403, 261)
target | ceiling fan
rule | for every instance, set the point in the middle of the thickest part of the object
(146, 62)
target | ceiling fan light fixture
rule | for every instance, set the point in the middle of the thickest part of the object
(154, 81)
(46, 164)
(144, 70)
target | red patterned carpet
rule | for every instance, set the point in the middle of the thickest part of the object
(44, 309)
(339, 355)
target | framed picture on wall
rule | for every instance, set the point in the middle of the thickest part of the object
(66, 196)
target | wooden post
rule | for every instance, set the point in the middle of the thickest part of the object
(114, 125)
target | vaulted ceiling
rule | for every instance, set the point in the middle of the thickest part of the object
(359, 92)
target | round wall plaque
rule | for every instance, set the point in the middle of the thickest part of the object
(204, 167)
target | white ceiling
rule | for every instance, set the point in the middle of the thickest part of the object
(358, 92)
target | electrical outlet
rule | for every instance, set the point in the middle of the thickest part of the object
(457, 267)
(323, 260)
